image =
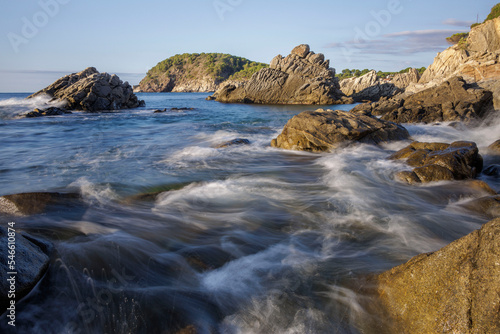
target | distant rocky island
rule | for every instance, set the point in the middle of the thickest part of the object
(197, 72)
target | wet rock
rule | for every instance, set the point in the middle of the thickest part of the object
(33, 203)
(302, 77)
(156, 111)
(453, 290)
(440, 162)
(493, 170)
(488, 206)
(51, 111)
(495, 147)
(321, 130)
(234, 142)
(92, 91)
(31, 262)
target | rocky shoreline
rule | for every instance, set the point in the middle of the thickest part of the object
(455, 289)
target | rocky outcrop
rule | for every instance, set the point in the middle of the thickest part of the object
(320, 130)
(92, 91)
(372, 88)
(453, 290)
(403, 80)
(31, 263)
(453, 100)
(51, 111)
(368, 87)
(477, 60)
(440, 162)
(302, 77)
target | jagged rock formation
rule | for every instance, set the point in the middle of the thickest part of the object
(403, 80)
(440, 162)
(90, 90)
(320, 130)
(453, 290)
(371, 87)
(302, 77)
(476, 60)
(195, 72)
(453, 100)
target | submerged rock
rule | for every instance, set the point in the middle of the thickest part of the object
(321, 130)
(488, 206)
(90, 90)
(237, 141)
(33, 203)
(453, 290)
(454, 100)
(492, 170)
(51, 111)
(31, 262)
(440, 162)
(302, 77)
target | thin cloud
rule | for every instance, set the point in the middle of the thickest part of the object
(403, 42)
(458, 23)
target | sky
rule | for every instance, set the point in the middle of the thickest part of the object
(43, 40)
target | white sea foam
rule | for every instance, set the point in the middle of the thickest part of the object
(15, 107)
(94, 193)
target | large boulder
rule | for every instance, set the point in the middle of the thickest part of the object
(440, 162)
(453, 290)
(320, 130)
(368, 87)
(453, 100)
(92, 91)
(32, 256)
(302, 77)
(403, 80)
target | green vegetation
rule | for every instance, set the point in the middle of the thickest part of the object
(354, 73)
(495, 12)
(457, 38)
(217, 65)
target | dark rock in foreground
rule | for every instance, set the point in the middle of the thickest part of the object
(440, 162)
(51, 111)
(302, 77)
(453, 100)
(90, 90)
(318, 131)
(453, 290)
(31, 263)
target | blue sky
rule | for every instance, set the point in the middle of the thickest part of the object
(42, 40)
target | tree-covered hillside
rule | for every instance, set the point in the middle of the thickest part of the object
(197, 72)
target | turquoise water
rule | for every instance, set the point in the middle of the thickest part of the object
(243, 239)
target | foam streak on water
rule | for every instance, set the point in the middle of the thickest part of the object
(172, 233)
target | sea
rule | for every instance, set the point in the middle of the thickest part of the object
(175, 235)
